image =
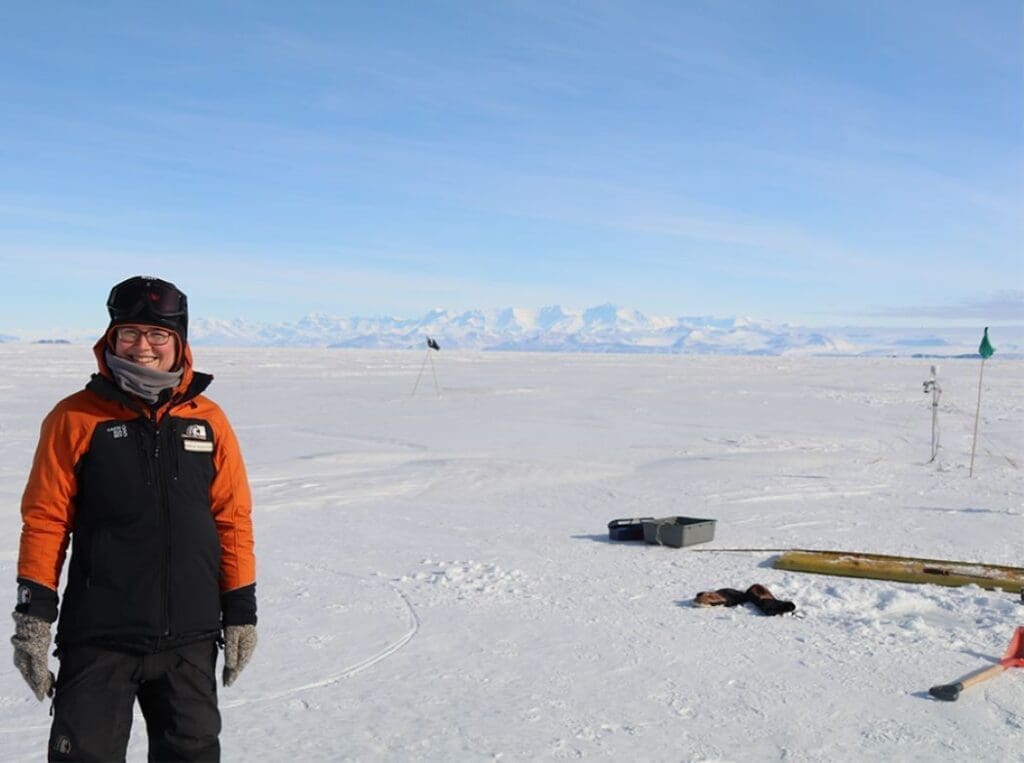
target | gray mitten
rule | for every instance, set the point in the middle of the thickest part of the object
(239, 644)
(31, 641)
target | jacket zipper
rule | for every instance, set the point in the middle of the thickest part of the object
(146, 465)
(174, 450)
(165, 520)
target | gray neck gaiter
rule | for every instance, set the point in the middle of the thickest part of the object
(145, 383)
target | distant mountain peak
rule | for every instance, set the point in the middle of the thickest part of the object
(602, 328)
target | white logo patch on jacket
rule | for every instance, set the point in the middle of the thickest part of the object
(118, 431)
(196, 438)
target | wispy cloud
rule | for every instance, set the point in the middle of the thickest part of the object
(1000, 306)
(242, 283)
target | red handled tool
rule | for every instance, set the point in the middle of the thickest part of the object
(1014, 658)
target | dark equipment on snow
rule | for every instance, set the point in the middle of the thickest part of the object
(1014, 658)
(628, 529)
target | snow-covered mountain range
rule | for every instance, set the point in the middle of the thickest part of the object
(604, 328)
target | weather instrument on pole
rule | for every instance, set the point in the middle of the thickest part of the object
(931, 386)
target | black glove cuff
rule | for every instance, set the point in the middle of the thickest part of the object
(238, 607)
(36, 600)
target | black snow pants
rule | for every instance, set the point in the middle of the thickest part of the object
(96, 692)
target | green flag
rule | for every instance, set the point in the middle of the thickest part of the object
(986, 350)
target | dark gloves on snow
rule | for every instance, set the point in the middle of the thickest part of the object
(239, 644)
(31, 641)
(757, 595)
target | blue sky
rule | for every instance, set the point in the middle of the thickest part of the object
(817, 162)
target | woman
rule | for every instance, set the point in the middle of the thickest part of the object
(143, 475)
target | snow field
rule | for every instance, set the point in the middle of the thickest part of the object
(436, 581)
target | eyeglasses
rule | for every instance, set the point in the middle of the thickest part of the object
(155, 337)
(142, 294)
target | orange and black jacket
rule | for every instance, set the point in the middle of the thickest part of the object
(155, 503)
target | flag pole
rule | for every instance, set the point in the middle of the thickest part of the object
(431, 345)
(986, 350)
(422, 366)
(977, 413)
(437, 387)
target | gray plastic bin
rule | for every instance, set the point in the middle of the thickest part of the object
(679, 531)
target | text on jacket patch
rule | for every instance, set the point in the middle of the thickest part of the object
(195, 439)
(118, 431)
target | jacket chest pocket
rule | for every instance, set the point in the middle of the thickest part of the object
(191, 444)
(117, 478)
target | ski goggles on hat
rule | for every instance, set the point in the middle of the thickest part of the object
(142, 295)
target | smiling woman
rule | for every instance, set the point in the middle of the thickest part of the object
(147, 347)
(141, 473)
(146, 336)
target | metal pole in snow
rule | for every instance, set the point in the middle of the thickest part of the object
(422, 366)
(437, 387)
(933, 386)
(431, 345)
(977, 413)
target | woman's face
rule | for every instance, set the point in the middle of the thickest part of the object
(149, 346)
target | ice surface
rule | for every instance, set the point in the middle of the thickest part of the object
(436, 582)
